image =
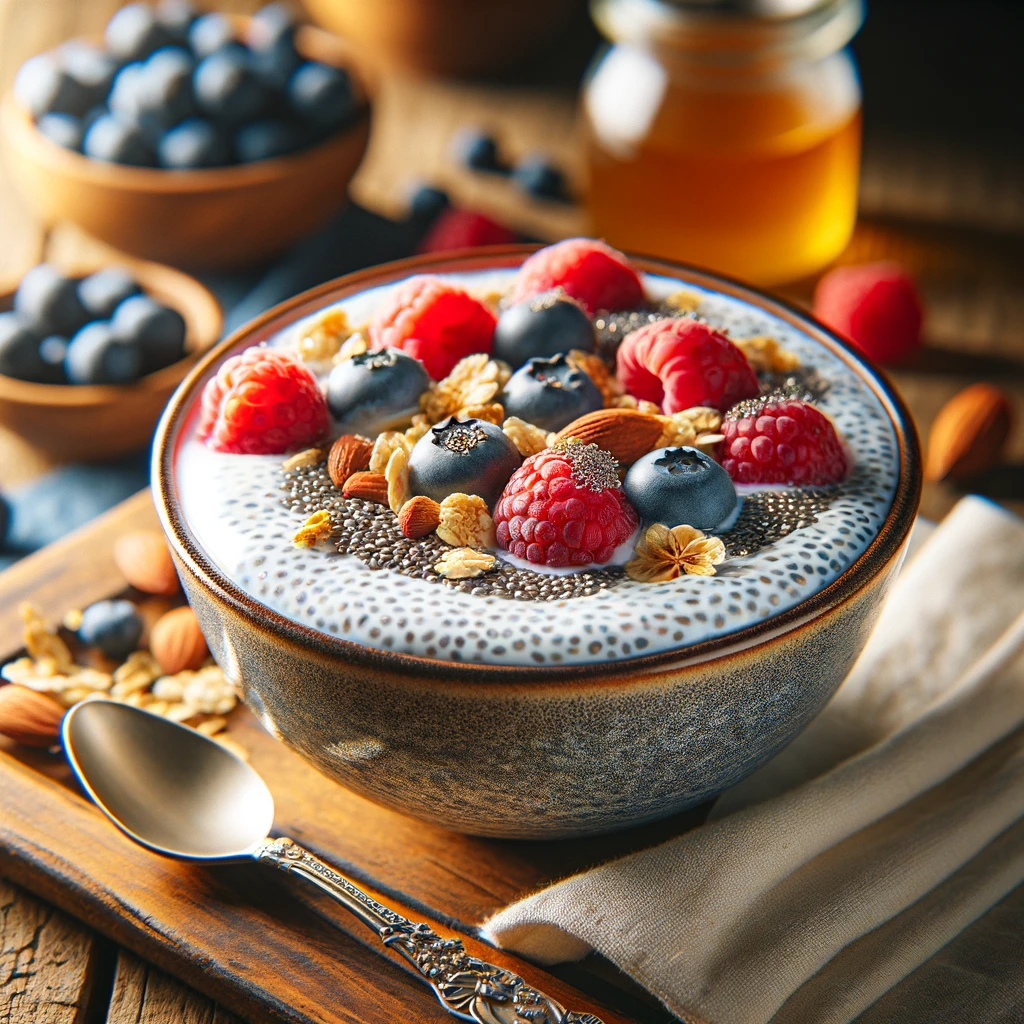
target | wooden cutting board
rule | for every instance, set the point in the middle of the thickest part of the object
(263, 945)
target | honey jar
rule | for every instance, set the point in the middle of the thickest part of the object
(726, 133)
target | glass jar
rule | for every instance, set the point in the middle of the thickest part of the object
(726, 134)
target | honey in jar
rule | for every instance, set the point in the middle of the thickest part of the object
(726, 135)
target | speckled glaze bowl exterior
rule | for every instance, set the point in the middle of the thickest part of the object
(537, 752)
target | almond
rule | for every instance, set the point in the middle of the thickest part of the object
(968, 434)
(28, 717)
(419, 516)
(348, 455)
(177, 642)
(369, 486)
(625, 433)
(145, 562)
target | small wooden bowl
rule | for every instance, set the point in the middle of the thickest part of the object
(215, 219)
(90, 423)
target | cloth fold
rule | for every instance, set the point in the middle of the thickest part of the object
(864, 846)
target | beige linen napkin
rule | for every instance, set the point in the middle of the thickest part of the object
(865, 846)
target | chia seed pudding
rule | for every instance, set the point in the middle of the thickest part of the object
(372, 584)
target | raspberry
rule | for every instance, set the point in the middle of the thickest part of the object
(876, 307)
(788, 442)
(594, 274)
(262, 402)
(682, 363)
(463, 229)
(434, 322)
(564, 506)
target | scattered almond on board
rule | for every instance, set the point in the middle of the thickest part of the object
(969, 433)
(30, 718)
(177, 642)
(145, 562)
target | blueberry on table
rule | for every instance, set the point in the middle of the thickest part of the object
(463, 456)
(42, 86)
(542, 326)
(118, 141)
(166, 85)
(176, 18)
(681, 486)
(536, 176)
(101, 293)
(52, 351)
(426, 202)
(134, 32)
(376, 391)
(477, 150)
(156, 330)
(192, 145)
(265, 140)
(115, 627)
(322, 94)
(210, 33)
(227, 87)
(550, 393)
(47, 301)
(96, 356)
(64, 129)
(90, 67)
(19, 349)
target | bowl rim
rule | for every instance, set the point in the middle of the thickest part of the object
(886, 545)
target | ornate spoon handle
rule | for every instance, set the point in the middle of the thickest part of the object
(467, 987)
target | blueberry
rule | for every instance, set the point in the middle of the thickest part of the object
(96, 356)
(322, 94)
(19, 350)
(118, 141)
(193, 144)
(115, 627)
(264, 140)
(425, 203)
(542, 326)
(536, 176)
(176, 17)
(64, 129)
(477, 150)
(226, 87)
(550, 393)
(90, 67)
(271, 38)
(376, 391)
(155, 330)
(166, 85)
(134, 32)
(465, 456)
(42, 86)
(270, 24)
(677, 486)
(47, 301)
(52, 351)
(101, 293)
(5, 519)
(127, 97)
(210, 33)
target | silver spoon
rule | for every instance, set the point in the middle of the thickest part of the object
(176, 791)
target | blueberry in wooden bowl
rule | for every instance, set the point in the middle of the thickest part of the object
(198, 140)
(89, 354)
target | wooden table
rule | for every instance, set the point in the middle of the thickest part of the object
(956, 218)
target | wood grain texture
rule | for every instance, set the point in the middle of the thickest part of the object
(47, 962)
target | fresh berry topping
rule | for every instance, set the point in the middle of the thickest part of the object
(462, 457)
(594, 274)
(434, 322)
(875, 306)
(550, 393)
(786, 443)
(543, 326)
(683, 362)
(463, 229)
(564, 507)
(262, 402)
(681, 486)
(376, 391)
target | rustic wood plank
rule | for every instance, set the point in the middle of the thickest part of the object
(142, 994)
(47, 962)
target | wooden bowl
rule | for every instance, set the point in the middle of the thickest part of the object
(87, 422)
(220, 218)
(446, 37)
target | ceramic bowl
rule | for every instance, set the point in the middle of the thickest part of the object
(539, 750)
(96, 422)
(197, 219)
